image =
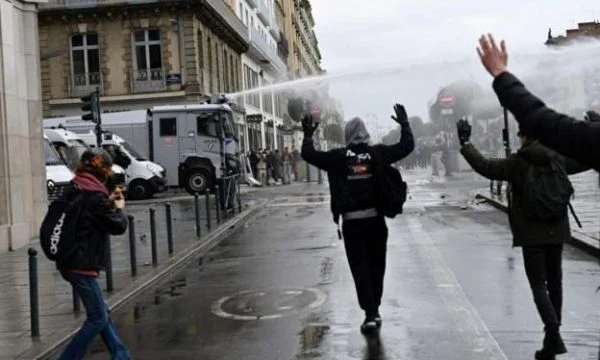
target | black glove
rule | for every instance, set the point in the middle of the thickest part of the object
(464, 131)
(592, 116)
(308, 126)
(401, 117)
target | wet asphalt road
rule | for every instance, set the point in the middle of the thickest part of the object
(280, 288)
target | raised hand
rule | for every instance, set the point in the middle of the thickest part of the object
(464, 131)
(493, 58)
(401, 116)
(309, 126)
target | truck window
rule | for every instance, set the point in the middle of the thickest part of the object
(168, 127)
(228, 124)
(52, 157)
(207, 126)
(111, 150)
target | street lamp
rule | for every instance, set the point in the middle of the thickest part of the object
(375, 125)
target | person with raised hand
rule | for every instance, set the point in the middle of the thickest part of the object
(579, 140)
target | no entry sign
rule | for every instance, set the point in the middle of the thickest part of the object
(446, 100)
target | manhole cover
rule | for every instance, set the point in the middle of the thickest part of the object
(268, 304)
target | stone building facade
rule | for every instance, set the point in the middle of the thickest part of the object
(138, 55)
(22, 171)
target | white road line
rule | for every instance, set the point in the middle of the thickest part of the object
(469, 323)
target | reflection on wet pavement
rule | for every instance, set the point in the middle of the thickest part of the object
(280, 288)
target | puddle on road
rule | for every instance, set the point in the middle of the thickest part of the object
(316, 199)
(325, 271)
(311, 338)
(299, 199)
(166, 291)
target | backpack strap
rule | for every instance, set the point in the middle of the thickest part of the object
(574, 215)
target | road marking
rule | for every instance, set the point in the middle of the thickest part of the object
(469, 323)
(320, 298)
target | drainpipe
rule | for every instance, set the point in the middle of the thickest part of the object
(177, 25)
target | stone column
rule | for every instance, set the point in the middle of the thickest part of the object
(22, 169)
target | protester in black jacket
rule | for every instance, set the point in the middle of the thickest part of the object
(101, 216)
(365, 233)
(579, 140)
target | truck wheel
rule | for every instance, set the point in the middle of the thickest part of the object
(198, 180)
(139, 190)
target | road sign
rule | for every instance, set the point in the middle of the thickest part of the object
(447, 100)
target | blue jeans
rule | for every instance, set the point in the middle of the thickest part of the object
(97, 323)
(287, 170)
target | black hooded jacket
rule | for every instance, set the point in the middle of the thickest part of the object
(579, 140)
(97, 220)
(525, 231)
(351, 192)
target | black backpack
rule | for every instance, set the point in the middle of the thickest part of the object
(58, 229)
(547, 191)
(390, 189)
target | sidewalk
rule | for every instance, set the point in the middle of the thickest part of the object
(57, 319)
(586, 205)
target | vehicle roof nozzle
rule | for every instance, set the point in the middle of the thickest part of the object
(219, 99)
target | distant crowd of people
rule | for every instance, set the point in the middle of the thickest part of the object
(274, 167)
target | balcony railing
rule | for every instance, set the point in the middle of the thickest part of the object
(228, 15)
(263, 12)
(275, 30)
(260, 48)
(78, 4)
(83, 84)
(217, 6)
(148, 80)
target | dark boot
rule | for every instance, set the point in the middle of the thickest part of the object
(553, 345)
(369, 326)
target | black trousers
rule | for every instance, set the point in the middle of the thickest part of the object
(366, 245)
(543, 265)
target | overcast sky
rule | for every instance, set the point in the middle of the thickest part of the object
(356, 35)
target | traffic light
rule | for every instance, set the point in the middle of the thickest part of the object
(505, 137)
(91, 105)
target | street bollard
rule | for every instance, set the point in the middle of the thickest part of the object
(109, 269)
(223, 200)
(132, 252)
(208, 219)
(153, 236)
(169, 228)
(33, 293)
(231, 194)
(197, 211)
(76, 302)
(218, 203)
(239, 197)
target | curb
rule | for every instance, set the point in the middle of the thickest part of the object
(143, 283)
(575, 240)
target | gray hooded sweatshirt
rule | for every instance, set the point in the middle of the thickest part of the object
(356, 132)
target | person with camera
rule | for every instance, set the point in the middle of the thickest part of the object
(538, 217)
(101, 215)
(350, 171)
